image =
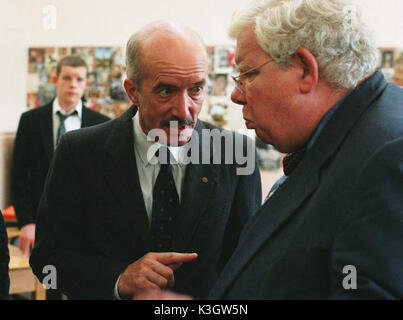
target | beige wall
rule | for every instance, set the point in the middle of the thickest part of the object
(100, 22)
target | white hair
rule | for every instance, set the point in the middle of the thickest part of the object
(332, 30)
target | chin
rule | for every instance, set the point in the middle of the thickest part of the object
(263, 137)
(268, 140)
(73, 102)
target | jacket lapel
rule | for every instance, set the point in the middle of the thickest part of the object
(46, 125)
(86, 118)
(301, 184)
(46, 129)
(200, 183)
(121, 173)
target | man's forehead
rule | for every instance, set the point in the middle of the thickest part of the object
(173, 51)
(178, 77)
(247, 50)
(176, 63)
(73, 69)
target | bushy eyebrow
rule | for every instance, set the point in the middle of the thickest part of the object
(164, 85)
(200, 83)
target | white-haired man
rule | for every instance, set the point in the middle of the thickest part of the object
(331, 228)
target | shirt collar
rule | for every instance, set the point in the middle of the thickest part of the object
(142, 145)
(78, 108)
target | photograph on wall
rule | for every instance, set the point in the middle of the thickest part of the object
(219, 84)
(390, 62)
(210, 59)
(224, 59)
(386, 62)
(105, 92)
(398, 68)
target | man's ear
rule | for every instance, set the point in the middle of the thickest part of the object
(132, 91)
(308, 70)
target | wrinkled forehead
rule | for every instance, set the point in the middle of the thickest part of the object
(173, 54)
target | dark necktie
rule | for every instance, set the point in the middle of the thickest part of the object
(291, 160)
(165, 207)
(62, 129)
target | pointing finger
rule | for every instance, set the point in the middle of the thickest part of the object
(169, 258)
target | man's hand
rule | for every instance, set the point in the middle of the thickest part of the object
(154, 271)
(27, 238)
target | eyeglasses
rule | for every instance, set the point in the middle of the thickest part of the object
(239, 83)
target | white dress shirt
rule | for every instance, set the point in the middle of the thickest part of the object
(71, 123)
(148, 172)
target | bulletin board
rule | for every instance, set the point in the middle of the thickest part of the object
(106, 72)
(105, 91)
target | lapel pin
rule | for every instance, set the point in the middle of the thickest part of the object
(204, 179)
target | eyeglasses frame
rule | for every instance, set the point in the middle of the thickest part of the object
(239, 84)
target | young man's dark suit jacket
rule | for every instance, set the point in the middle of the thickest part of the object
(102, 226)
(343, 205)
(4, 260)
(33, 150)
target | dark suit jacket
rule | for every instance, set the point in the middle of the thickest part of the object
(102, 226)
(33, 150)
(342, 206)
(4, 260)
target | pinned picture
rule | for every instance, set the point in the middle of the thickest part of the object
(36, 55)
(219, 85)
(387, 59)
(386, 62)
(398, 77)
(223, 59)
(210, 59)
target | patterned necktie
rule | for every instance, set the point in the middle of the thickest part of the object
(291, 160)
(165, 208)
(62, 129)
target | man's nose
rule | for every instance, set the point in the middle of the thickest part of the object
(73, 83)
(182, 107)
(238, 97)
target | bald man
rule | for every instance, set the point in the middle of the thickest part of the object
(129, 223)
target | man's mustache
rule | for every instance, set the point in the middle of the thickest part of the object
(181, 122)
